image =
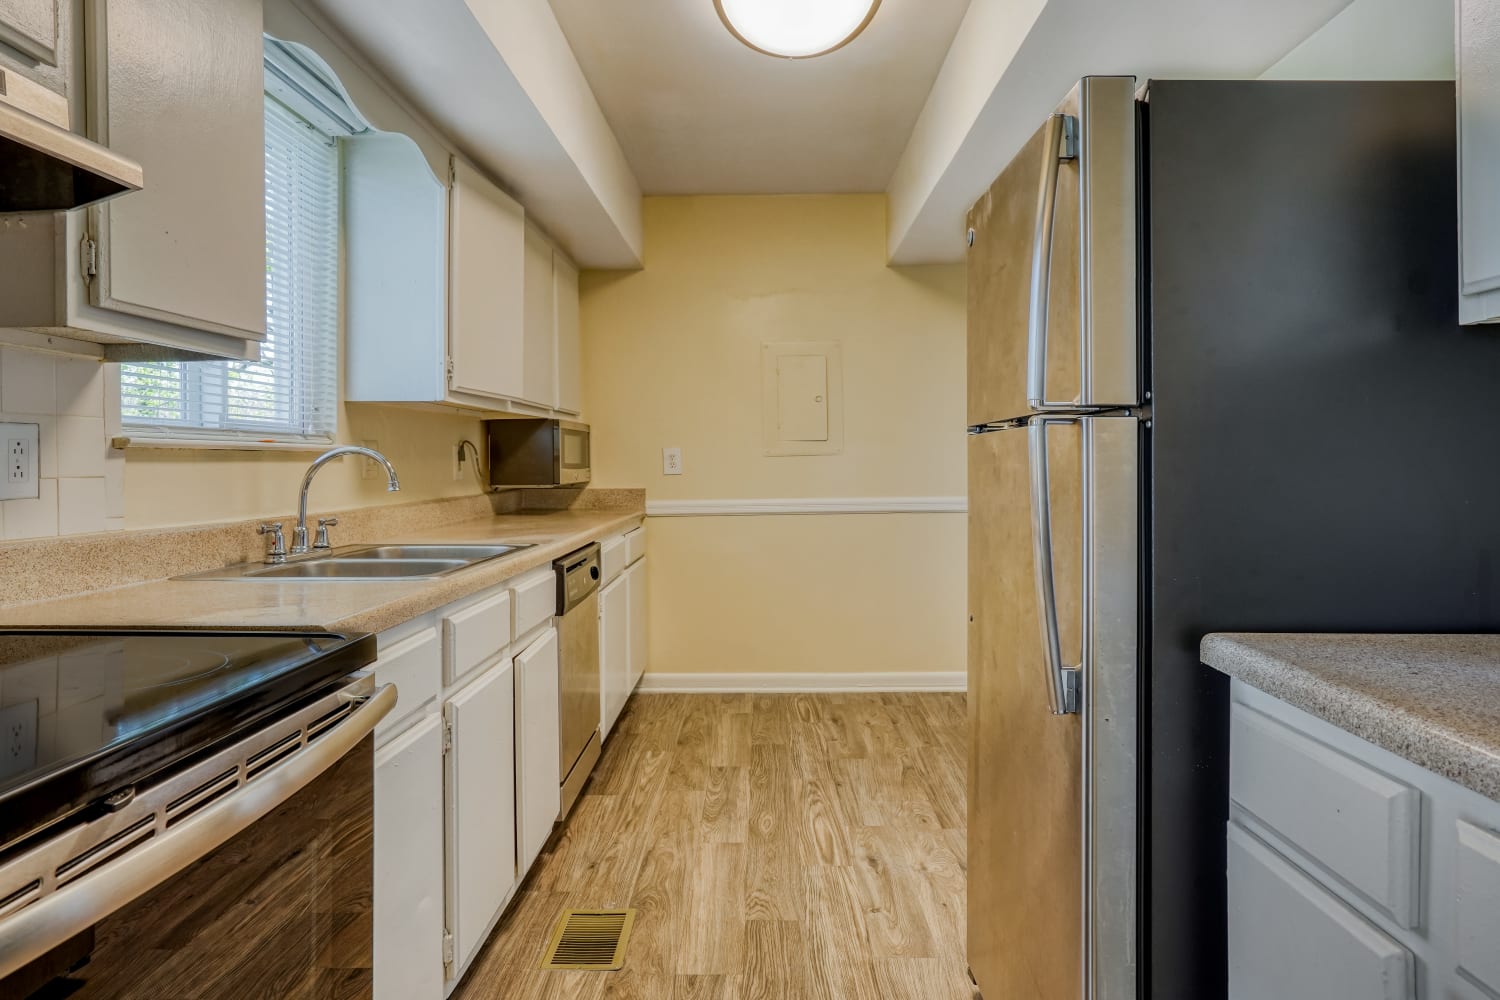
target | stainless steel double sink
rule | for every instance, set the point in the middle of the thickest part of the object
(366, 563)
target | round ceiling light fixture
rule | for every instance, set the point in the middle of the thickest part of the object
(796, 29)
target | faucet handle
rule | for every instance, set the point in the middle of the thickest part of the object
(277, 551)
(324, 523)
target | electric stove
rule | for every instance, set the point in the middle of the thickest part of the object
(86, 714)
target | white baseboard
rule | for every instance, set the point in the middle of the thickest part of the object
(955, 680)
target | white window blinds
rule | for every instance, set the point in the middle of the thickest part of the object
(291, 393)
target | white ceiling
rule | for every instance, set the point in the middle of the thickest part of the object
(697, 112)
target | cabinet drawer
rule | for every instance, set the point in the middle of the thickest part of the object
(475, 634)
(415, 666)
(635, 545)
(535, 599)
(1289, 937)
(612, 559)
(1360, 825)
(1477, 930)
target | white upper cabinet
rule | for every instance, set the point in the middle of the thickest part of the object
(569, 337)
(30, 28)
(178, 86)
(487, 247)
(1478, 156)
(34, 44)
(539, 384)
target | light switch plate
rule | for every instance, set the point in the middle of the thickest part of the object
(21, 442)
(369, 470)
(671, 461)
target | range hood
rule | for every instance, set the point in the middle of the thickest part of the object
(44, 168)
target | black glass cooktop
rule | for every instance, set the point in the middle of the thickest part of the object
(84, 713)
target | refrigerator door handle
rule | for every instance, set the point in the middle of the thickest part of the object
(1059, 143)
(1062, 680)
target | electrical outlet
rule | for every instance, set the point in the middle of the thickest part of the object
(370, 470)
(671, 461)
(21, 444)
(17, 739)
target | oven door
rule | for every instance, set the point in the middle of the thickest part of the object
(572, 453)
(246, 875)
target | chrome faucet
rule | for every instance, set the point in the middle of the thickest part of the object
(299, 534)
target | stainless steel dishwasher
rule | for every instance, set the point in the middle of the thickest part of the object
(578, 668)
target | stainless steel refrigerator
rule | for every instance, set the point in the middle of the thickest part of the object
(1215, 382)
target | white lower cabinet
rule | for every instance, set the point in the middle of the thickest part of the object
(408, 895)
(614, 652)
(635, 581)
(538, 796)
(1353, 872)
(1288, 937)
(481, 808)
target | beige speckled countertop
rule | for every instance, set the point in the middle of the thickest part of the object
(333, 604)
(1432, 699)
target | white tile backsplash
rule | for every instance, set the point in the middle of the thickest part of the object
(80, 447)
(28, 382)
(80, 388)
(81, 479)
(33, 518)
(80, 506)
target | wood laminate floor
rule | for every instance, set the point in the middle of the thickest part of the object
(785, 847)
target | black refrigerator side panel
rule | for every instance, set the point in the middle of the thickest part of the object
(1324, 433)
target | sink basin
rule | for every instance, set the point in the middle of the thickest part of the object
(464, 553)
(356, 569)
(368, 563)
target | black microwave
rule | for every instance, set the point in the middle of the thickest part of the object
(538, 452)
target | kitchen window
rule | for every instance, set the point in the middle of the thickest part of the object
(290, 395)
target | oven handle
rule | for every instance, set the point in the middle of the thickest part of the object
(34, 930)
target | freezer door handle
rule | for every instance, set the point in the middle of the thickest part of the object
(1059, 143)
(1062, 680)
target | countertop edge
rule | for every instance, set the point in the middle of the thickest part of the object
(1424, 741)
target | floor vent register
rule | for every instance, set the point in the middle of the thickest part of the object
(590, 940)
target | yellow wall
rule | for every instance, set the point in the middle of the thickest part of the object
(672, 359)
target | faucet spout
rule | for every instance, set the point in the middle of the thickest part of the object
(299, 534)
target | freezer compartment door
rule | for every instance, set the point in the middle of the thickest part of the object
(1052, 265)
(1053, 692)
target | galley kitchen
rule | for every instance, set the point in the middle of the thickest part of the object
(727, 499)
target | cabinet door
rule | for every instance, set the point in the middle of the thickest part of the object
(179, 86)
(1288, 937)
(569, 335)
(1478, 150)
(30, 27)
(481, 808)
(538, 796)
(614, 652)
(635, 579)
(540, 352)
(486, 249)
(409, 864)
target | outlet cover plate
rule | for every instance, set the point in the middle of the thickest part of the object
(671, 461)
(21, 442)
(17, 739)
